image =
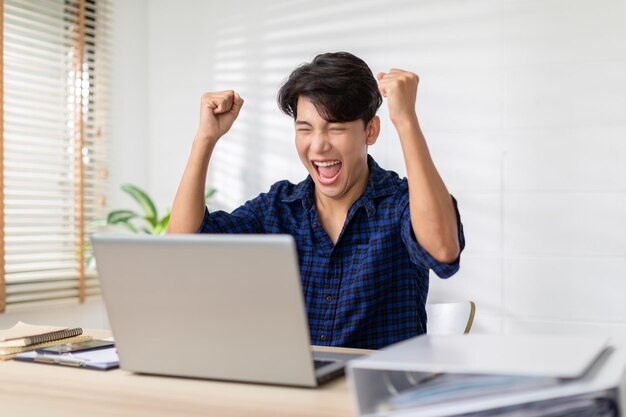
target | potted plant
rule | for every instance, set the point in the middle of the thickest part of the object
(150, 222)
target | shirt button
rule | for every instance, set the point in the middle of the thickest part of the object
(329, 298)
(323, 337)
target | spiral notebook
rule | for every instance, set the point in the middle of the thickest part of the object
(10, 352)
(23, 334)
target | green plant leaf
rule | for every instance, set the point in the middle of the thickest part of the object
(90, 262)
(162, 226)
(118, 216)
(84, 249)
(146, 203)
(128, 226)
(98, 223)
(209, 193)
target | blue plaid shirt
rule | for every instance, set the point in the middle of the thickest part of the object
(369, 289)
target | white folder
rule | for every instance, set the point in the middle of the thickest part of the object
(545, 368)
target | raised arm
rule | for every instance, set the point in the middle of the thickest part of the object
(433, 216)
(218, 111)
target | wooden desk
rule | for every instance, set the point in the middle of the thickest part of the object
(31, 389)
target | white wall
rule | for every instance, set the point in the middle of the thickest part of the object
(523, 104)
(129, 139)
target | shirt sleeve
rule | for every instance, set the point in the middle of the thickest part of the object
(245, 219)
(418, 254)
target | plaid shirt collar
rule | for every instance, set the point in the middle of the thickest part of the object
(380, 184)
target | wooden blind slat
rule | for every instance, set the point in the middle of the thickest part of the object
(79, 141)
(53, 73)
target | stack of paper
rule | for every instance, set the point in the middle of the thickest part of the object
(102, 359)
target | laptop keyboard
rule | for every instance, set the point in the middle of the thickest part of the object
(318, 364)
(328, 373)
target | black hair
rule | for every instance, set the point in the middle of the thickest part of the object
(340, 85)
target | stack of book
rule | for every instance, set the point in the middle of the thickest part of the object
(24, 337)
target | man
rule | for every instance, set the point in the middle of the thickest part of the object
(365, 237)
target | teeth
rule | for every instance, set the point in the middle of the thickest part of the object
(326, 164)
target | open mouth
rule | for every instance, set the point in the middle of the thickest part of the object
(327, 171)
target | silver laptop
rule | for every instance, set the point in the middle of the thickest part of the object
(226, 307)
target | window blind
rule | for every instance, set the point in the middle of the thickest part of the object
(53, 144)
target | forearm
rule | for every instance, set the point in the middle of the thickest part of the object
(189, 204)
(433, 216)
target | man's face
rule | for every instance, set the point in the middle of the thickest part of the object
(335, 154)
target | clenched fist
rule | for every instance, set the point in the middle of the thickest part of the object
(218, 111)
(400, 89)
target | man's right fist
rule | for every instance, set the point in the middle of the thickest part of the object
(218, 111)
